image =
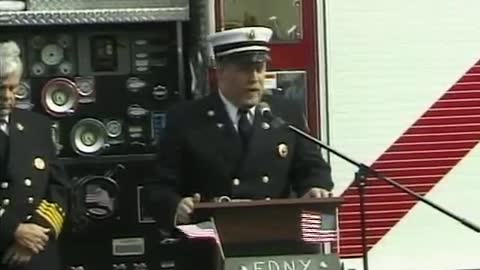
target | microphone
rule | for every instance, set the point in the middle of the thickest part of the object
(266, 112)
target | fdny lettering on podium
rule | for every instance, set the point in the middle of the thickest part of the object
(317, 261)
(280, 265)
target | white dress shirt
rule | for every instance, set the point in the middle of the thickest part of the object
(232, 111)
(4, 124)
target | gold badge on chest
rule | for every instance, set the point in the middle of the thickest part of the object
(282, 150)
(39, 163)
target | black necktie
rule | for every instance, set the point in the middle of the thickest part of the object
(244, 126)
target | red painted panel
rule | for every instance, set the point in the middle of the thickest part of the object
(283, 57)
(301, 55)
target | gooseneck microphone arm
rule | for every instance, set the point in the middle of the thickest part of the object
(364, 171)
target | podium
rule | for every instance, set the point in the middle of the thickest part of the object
(274, 234)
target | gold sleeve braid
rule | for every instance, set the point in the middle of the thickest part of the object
(53, 214)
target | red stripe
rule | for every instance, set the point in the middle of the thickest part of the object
(381, 190)
(452, 112)
(373, 214)
(416, 163)
(455, 103)
(407, 181)
(474, 70)
(352, 233)
(472, 119)
(385, 206)
(441, 129)
(414, 172)
(470, 78)
(461, 87)
(419, 158)
(433, 147)
(438, 137)
(346, 242)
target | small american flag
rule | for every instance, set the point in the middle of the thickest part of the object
(203, 230)
(315, 230)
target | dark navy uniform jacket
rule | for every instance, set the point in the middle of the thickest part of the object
(33, 186)
(201, 152)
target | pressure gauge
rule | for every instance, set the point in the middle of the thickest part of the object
(23, 91)
(38, 69)
(88, 137)
(52, 54)
(60, 97)
(65, 68)
(65, 41)
(114, 128)
(85, 86)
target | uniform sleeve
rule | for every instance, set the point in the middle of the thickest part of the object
(309, 168)
(162, 190)
(53, 209)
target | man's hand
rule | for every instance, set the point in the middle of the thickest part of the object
(17, 256)
(185, 209)
(32, 237)
(317, 193)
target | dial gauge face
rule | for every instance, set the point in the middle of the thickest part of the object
(23, 91)
(88, 138)
(59, 97)
(65, 41)
(52, 54)
(65, 68)
(114, 128)
(85, 87)
(38, 69)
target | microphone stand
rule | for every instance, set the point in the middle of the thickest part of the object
(361, 175)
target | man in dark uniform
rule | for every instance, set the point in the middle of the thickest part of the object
(33, 186)
(221, 146)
